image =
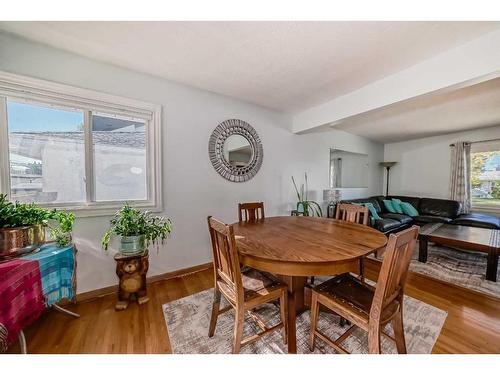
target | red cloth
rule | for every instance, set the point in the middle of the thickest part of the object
(21, 297)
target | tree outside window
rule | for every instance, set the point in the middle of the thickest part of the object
(485, 178)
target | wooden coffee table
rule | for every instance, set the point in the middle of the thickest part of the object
(467, 238)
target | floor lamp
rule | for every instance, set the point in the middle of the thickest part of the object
(387, 165)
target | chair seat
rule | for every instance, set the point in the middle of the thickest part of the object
(255, 284)
(353, 294)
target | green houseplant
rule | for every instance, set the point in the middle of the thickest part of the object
(6, 211)
(13, 215)
(22, 226)
(62, 233)
(136, 229)
(304, 205)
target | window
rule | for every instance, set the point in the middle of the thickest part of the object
(42, 143)
(119, 158)
(485, 175)
(68, 147)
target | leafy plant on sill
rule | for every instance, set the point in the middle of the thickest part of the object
(6, 211)
(14, 215)
(309, 207)
(62, 234)
(129, 221)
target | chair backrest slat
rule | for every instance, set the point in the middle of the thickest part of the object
(251, 211)
(225, 254)
(392, 277)
(352, 213)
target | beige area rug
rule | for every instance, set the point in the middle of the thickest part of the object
(455, 266)
(188, 320)
(460, 267)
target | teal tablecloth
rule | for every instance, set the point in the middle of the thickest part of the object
(57, 270)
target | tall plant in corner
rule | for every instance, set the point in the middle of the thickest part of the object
(304, 205)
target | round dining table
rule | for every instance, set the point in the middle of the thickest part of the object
(295, 247)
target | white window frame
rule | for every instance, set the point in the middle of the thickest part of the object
(486, 208)
(36, 91)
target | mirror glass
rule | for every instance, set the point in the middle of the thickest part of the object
(348, 169)
(237, 150)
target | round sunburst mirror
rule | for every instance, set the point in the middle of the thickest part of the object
(235, 150)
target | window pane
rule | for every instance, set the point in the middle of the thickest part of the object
(485, 178)
(119, 158)
(46, 149)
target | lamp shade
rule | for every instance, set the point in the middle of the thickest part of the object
(331, 195)
(388, 164)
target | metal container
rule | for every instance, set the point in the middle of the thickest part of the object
(16, 241)
(132, 244)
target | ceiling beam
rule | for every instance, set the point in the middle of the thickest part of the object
(468, 64)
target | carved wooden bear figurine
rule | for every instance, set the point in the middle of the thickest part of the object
(132, 273)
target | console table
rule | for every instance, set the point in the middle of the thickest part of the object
(31, 283)
(467, 238)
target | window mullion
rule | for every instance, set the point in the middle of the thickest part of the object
(89, 158)
(4, 149)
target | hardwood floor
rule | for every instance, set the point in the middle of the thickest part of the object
(472, 325)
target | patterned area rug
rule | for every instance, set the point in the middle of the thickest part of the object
(188, 320)
(460, 267)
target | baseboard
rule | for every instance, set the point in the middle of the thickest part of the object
(178, 273)
(93, 294)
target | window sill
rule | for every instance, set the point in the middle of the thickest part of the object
(103, 209)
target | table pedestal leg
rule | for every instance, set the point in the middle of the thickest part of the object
(296, 306)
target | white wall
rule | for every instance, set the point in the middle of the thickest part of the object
(423, 167)
(191, 187)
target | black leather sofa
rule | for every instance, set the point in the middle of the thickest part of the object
(431, 210)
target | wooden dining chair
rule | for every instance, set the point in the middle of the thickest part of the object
(251, 211)
(243, 290)
(352, 213)
(368, 307)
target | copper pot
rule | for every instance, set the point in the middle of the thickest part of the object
(15, 241)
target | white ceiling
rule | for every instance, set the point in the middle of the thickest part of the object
(288, 66)
(472, 107)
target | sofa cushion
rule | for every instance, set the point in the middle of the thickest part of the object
(396, 203)
(432, 219)
(438, 207)
(372, 200)
(414, 201)
(372, 209)
(385, 225)
(408, 209)
(389, 206)
(403, 219)
(478, 220)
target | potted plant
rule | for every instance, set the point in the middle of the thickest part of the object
(32, 216)
(62, 234)
(304, 205)
(136, 229)
(22, 226)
